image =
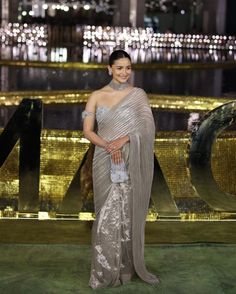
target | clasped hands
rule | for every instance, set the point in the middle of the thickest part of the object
(114, 148)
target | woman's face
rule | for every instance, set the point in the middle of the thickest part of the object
(121, 70)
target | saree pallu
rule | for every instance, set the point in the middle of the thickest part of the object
(121, 208)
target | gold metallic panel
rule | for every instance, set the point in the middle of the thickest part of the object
(223, 162)
(63, 151)
(170, 102)
(171, 152)
(9, 175)
(61, 155)
(140, 66)
(200, 151)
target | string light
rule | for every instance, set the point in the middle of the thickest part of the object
(143, 44)
(140, 37)
(146, 46)
(87, 7)
(15, 33)
(40, 6)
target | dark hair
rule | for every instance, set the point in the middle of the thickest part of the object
(117, 54)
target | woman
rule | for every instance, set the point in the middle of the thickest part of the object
(122, 175)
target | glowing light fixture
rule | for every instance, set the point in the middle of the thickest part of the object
(86, 7)
(45, 6)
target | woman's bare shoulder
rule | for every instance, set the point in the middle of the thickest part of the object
(96, 95)
(100, 92)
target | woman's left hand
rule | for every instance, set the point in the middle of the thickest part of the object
(117, 144)
(116, 157)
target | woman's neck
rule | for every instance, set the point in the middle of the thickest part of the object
(118, 86)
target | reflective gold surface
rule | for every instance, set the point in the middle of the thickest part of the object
(48, 97)
(170, 102)
(61, 155)
(171, 151)
(88, 66)
(63, 151)
(224, 162)
(200, 157)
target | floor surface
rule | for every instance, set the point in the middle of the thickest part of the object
(183, 269)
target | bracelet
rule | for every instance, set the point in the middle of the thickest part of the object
(86, 113)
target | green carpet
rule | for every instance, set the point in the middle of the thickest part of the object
(190, 269)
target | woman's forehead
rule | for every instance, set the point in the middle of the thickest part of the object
(122, 62)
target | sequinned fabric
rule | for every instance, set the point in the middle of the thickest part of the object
(121, 208)
(100, 111)
(112, 261)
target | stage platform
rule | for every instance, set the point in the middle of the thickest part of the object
(29, 231)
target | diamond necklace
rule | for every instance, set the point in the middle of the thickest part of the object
(118, 86)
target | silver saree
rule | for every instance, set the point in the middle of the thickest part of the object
(121, 208)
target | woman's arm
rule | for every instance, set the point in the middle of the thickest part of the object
(89, 122)
(112, 147)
